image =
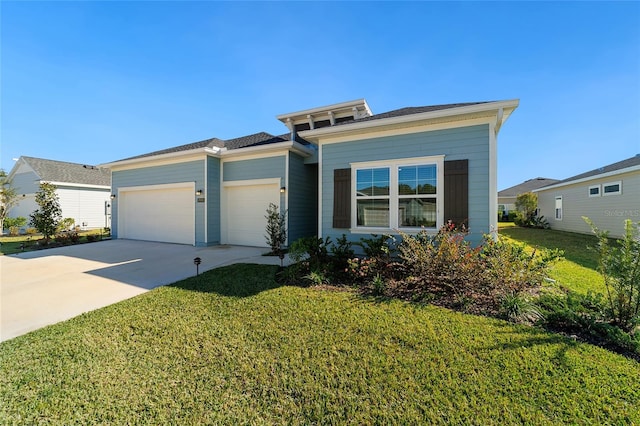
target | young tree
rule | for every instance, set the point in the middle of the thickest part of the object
(8, 197)
(49, 214)
(276, 229)
(526, 204)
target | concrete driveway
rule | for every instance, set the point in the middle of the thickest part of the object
(44, 287)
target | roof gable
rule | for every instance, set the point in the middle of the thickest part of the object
(71, 173)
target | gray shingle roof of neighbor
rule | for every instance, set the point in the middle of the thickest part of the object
(629, 162)
(61, 171)
(526, 186)
(411, 110)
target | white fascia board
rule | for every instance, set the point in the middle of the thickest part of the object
(152, 158)
(288, 145)
(508, 107)
(341, 105)
(77, 185)
(296, 147)
(590, 178)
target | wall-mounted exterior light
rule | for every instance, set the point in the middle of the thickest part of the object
(283, 189)
(199, 192)
(113, 196)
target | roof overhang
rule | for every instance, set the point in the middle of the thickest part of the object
(498, 112)
(353, 109)
(590, 178)
(218, 153)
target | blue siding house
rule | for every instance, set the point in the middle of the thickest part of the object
(340, 169)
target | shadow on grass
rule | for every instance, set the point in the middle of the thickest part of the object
(239, 280)
(575, 246)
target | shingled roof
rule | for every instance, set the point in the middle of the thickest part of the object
(410, 111)
(620, 165)
(207, 143)
(61, 171)
(527, 186)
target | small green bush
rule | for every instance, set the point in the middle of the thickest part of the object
(620, 266)
(15, 222)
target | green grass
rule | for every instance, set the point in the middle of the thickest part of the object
(232, 347)
(25, 243)
(578, 270)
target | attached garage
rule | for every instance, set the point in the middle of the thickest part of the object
(164, 213)
(245, 204)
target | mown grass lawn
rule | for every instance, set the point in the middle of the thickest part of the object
(578, 270)
(24, 243)
(232, 347)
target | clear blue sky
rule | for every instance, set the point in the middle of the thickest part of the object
(94, 82)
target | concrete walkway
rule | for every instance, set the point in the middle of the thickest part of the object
(44, 287)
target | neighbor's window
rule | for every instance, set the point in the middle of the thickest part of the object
(398, 193)
(372, 194)
(558, 208)
(594, 191)
(613, 188)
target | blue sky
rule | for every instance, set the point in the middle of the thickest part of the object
(93, 82)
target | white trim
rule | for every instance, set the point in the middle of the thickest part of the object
(324, 109)
(406, 130)
(491, 108)
(555, 208)
(78, 185)
(493, 181)
(188, 184)
(590, 178)
(320, 166)
(594, 187)
(393, 196)
(206, 201)
(618, 192)
(286, 195)
(154, 162)
(184, 156)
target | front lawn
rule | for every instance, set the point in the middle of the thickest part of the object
(232, 347)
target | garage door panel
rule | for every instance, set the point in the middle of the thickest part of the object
(246, 209)
(166, 215)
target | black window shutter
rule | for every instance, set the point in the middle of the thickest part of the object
(456, 192)
(342, 198)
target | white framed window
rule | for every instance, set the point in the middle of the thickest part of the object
(594, 191)
(402, 194)
(613, 188)
(559, 208)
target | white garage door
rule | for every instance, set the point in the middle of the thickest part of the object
(245, 209)
(157, 214)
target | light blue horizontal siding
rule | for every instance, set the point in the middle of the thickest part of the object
(303, 198)
(213, 200)
(259, 168)
(25, 183)
(470, 143)
(192, 171)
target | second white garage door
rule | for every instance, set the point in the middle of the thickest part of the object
(155, 213)
(245, 208)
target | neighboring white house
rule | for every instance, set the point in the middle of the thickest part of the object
(507, 197)
(83, 191)
(607, 196)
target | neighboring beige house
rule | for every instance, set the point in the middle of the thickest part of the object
(507, 197)
(83, 191)
(607, 195)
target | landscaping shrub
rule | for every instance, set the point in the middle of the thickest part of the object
(15, 222)
(619, 264)
(14, 231)
(66, 224)
(276, 229)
